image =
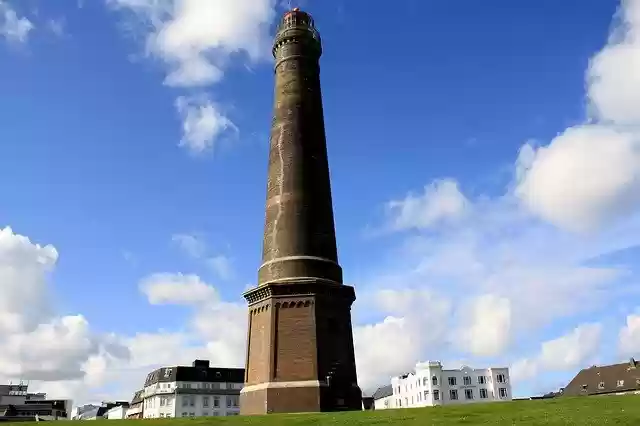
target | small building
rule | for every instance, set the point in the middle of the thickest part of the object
(192, 391)
(117, 413)
(615, 379)
(135, 410)
(382, 398)
(17, 404)
(100, 412)
(431, 385)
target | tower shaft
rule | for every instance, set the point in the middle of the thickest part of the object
(299, 234)
(300, 354)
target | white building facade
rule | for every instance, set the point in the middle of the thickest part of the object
(192, 391)
(431, 385)
(116, 413)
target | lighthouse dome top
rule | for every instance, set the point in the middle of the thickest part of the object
(296, 17)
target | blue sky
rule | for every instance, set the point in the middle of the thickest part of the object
(455, 110)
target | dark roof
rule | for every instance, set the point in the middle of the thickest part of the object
(198, 372)
(383, 392)
(605, 379)
(137, 397)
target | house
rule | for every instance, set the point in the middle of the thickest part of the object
(431, 385)
(382, 398)
(614, 379)
(135, 410)
(192, 391)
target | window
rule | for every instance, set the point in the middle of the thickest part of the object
(192, 401)
(436, 395)
(483, 394)
(411, 400)
(620, 383)
(424, 381)
(426, 394)
(185, 401)
(468, 393)
(167, 372)
(206, 385)
(453, 394)
(452, 381)
(399, 403)
(185, 414)
(434, 381)
(406, 402)
(228, 401)
(419, 397)
(205, 401)
(216, 401)
(500, 378)
(481, 380)
(601, 385)
(584, 387)
(466, 380)
(502, 392)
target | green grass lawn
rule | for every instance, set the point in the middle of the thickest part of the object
(604, 410)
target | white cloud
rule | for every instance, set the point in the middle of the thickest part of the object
(63, 356)
(202, 123)
(416, 321)
(586, 176)
(629, 337)
(35, 343)
(566, 353)
(487, 329)
(589, 174)
(179, 289)
(13, 27)
(504, 278)
(441, 201)
(196, 38)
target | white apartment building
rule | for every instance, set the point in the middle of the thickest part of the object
(194, 391)
(431, 385)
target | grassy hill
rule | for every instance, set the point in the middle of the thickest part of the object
(604, 410)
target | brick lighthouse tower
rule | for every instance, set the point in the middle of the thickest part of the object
(300, 354)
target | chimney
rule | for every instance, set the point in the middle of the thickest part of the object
(201, 363)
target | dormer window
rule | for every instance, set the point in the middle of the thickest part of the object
(584, 387)
(434, 381)
(601, 385)
(620, 383)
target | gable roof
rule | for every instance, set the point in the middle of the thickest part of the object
(383, 392)
(605, 379)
